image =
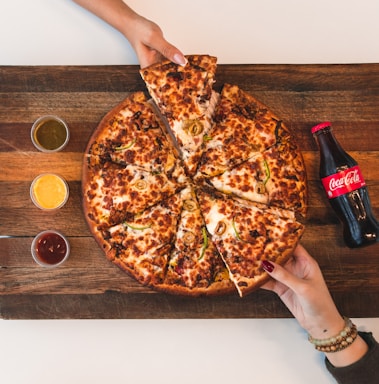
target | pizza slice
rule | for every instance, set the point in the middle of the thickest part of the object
(112, 191)
(268, 128)
(132, 133)
(247, 234)
(195, 266)
(247, 180)
(242, 127)
(275, 177)
(287, 181)
(142, 243)
(185, 98)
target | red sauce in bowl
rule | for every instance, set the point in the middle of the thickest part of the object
(49, 248)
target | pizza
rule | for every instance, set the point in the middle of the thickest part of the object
(189, 190)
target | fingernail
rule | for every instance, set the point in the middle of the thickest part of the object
(267, 266)
(180, 59)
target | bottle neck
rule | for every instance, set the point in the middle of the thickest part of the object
(326, 139)
(333, 157)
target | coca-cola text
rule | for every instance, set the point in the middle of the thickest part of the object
(343, 182)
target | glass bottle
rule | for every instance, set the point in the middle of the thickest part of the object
(346, 189)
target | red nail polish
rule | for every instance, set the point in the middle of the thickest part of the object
(267, 266)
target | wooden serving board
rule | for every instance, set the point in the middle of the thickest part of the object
(88, 286)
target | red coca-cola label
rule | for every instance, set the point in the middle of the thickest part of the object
(343, 182)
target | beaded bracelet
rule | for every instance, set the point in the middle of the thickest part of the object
(339, 342)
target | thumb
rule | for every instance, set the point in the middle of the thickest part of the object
(172, 53)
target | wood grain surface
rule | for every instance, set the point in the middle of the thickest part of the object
(87, 285)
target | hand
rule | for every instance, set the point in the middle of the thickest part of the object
(147, 39)
(145, 36)
(302, 288)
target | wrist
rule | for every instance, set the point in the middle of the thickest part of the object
(127, 23)
(349, 355)
(324, 327)
(343, 339)
(344, 348)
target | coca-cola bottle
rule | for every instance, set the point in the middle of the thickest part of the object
(346, 189)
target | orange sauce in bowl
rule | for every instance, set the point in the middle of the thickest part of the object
(49, 191)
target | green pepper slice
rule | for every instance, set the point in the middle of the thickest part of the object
(135, 227)
(205, 242)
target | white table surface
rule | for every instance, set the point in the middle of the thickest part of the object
(57, 32)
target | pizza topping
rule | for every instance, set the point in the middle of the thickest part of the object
(261, 189)
(222, 275)
(267, 170)
(235, 229)
(205, 242)
(125, 146)
(194, 127)
(177, 76)
(189, 205)
(189, 238)
(220, 228)
(136, 227)
(140, 184)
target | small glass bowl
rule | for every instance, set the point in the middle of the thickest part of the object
(50, 133)
(49, 184)
(50, 249)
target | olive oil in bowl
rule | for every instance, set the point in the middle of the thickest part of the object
(50, 133)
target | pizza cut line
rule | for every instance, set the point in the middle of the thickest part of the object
(190, 193)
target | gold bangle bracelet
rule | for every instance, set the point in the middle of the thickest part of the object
(339, 342)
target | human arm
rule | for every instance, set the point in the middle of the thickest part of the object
(145, 36)
(302, 288)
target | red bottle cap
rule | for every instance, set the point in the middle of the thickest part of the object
(320, 126)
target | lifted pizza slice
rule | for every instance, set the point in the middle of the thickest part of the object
(185, 98)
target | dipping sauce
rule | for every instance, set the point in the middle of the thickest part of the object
(49, 133)
(50, 248)
(49, 191)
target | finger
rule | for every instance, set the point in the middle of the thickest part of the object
(173, 54)
(281, 275)
(166, 49)
(148, 55)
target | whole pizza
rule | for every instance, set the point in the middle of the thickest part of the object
(189, 190)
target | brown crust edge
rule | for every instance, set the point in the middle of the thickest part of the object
(215, 289)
